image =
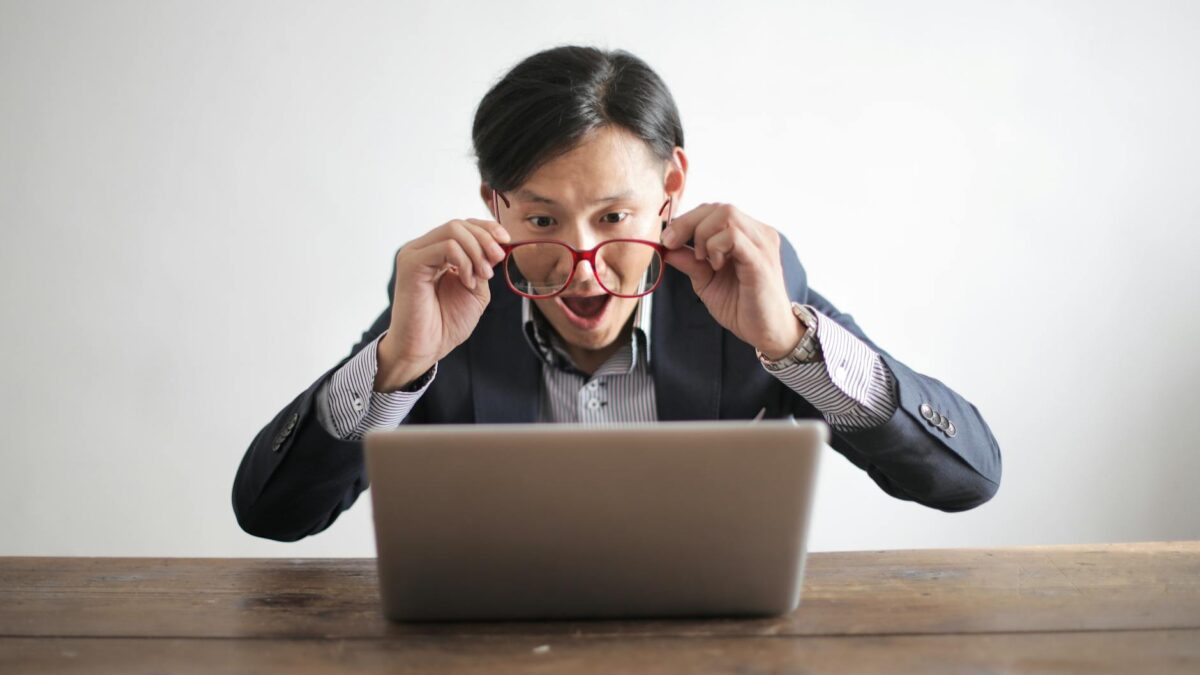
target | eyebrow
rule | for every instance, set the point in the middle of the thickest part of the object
(531, 196)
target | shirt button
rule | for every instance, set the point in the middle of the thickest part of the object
(357, 404)
(593, 404)
(593, 385)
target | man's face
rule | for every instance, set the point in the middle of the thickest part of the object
(610, 186)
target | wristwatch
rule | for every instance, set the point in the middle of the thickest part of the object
(807, 351)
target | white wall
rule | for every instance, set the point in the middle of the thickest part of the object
(200, 202)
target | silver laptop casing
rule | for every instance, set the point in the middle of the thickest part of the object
(538, 521)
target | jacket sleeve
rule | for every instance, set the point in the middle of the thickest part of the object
(935, 449)
(296, 478)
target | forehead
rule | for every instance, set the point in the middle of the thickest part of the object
(610, 163)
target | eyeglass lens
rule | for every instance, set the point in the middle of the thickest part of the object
(622, 268)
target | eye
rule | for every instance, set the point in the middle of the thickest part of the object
(620, 216)
(541, 221)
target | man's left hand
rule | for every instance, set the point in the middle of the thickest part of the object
(735, 270)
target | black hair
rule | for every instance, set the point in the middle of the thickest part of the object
(550, 101)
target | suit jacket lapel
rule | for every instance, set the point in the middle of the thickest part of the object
(686, 357)
(505, 373)
(686, 353)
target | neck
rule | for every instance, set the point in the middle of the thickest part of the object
(590, 360)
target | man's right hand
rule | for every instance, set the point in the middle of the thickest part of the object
(441, 291)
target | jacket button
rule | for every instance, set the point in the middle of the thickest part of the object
(943, 424)
(936, 419)
(926, 411)
(950, 430)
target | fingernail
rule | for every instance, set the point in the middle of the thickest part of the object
(503, 234)
(668, 237)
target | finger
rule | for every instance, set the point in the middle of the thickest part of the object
(487, 240)
(720, 247)
(715, 222)
(442, 231)
(465, 236)
(680, 230)
(448, 252)
(431, 237)
(757, 234)
(731, 243)
(492, 226)
(699, 271)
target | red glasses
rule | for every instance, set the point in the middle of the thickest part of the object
(543, 268)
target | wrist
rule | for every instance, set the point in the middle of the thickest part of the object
(805, 349)
(403, 380)
(395, 372)
(778, 349)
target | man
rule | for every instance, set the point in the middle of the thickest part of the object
(586, 300)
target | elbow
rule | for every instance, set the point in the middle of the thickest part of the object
(256, 519)
(963, 491)
(961, 485)
(966, 488)
(253, 522)
(280, 517)
(950, 485)
(973, 487)
(968, 495)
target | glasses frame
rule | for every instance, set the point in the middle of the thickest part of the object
(577, 255)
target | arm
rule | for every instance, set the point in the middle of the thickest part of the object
(849, 384)
(348, 406)
(909, 455)
(300, 473)
(306, 465)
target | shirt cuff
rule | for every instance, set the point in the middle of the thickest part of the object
(352, 407)
(850, 385)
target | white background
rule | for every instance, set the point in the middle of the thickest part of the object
(200, 203)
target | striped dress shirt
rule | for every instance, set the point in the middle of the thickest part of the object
(850, 385)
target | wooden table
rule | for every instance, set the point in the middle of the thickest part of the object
(1121, 608)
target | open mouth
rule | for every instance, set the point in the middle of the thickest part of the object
(585, 311)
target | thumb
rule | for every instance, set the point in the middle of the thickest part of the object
(684, 260)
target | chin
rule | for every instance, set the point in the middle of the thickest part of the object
(592, 338)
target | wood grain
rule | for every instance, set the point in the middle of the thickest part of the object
(1063, 588)
(1095, 653)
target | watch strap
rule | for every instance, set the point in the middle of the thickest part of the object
(808, 350)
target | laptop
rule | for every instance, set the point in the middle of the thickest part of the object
(566, 521)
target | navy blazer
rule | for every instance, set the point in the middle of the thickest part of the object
(296, 478)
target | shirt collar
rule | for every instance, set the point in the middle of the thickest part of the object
(548, 347)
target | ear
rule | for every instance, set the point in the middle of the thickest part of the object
(676, 177)
(485, 193)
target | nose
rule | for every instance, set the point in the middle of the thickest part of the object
(585, 274)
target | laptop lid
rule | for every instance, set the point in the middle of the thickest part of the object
(536, 521)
